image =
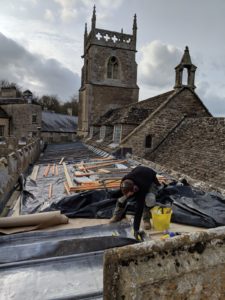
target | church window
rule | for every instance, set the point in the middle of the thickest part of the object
(112, 68)
(102, 132)
(91, 131)
(117, 134)
(148, 141)
(34, 118)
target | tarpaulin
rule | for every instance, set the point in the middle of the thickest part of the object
(191, 206)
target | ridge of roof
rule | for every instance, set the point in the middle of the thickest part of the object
(171, 96)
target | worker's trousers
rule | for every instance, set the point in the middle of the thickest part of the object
(120, 209)
(150, 200)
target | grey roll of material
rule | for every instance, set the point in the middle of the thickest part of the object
(41, 220)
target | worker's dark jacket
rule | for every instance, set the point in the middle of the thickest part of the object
(143, 177)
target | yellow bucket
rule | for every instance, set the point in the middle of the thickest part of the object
(161, 218)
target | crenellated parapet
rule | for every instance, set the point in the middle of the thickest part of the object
(109, 38)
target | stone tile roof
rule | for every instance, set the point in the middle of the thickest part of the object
(53, 122)
(195, 148)
(133, 113)
(12, 101)
(6, 101)
(3, 114)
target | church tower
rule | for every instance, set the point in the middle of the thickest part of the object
(109, 73)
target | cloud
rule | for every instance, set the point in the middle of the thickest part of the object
(113, 4)
(214, 102)
(34, 72)
(49, 16)
(157, 64)
(68, 10)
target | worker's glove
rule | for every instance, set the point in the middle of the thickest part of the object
(139, 235)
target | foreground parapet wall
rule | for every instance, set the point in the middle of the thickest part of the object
(191, 266)
(12, 165)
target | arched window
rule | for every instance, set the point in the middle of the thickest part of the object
(112, 68)
(148, 141)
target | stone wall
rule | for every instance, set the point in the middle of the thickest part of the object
(105, 98)
(126, 129)
(22, 124)
(58, 137)
(13, 165)
(5, 123)
(164, 120)
(190, 266)
(195, 148)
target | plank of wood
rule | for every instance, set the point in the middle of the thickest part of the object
(53, 169)
(50, 191)
(103, 171)
(92, 163)
(61, 161)
(95, 185)
(66, 188)
(56, 170)
(34, 173)
(68, 179)
(46, 170)
(99, 165)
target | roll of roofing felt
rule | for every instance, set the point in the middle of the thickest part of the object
(42, 220)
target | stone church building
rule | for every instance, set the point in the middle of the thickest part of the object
(109, 73)
(173, 129)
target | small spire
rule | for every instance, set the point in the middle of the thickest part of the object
(135, 23)
(185, 64)
(85, 30)
(93, 20)
(186, 59)
(121, 30)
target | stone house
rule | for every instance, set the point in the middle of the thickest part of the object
(20, 116)
(109, 73)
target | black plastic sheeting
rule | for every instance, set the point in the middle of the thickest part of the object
(194, 207)
(78, 276)
(63, 264)
(27, 246)
(190, 206)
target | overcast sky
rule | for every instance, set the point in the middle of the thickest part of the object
(41, 43)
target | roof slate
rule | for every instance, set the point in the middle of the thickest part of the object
(54, 122)
(134, 113)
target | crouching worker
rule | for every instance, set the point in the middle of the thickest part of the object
(137, 185)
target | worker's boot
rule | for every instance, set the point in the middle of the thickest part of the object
(146, 218)
(115, 218)
(119, 211)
